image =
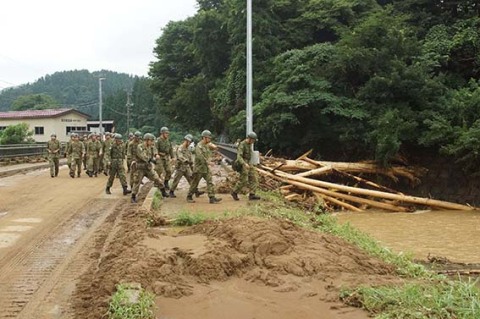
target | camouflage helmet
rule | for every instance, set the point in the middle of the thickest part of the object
(130, 134)
(53, 135)
(138, 134)
(118, 136)
(188, 137)
(109, 134)
(252, 135)
(164, 130)
(149, 136)
(74, 135)
(206, 133)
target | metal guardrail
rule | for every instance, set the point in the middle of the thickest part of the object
(19, 150)
(229, 151)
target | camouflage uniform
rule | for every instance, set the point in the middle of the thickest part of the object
(144, 168)
(69, 158)
(202, 170)
(248, 176)
(94, 149)
(53, 156)
(132, 154)
(116, 155)
(106, 154)
(183, 167)
(163, 166)
(129, 156)
(76, 149)
(84, 140)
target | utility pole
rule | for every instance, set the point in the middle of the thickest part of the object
(249, 68)
(100, 106)
(129, 105)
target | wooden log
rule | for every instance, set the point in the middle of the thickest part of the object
(338, 202)
(327, 192)
(369, 168)
(356, 178)
(316, 172)
(305, 155)
(367, 192)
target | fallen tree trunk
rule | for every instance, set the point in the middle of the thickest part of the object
(327, 192)
(399, 197)
(339, 203)
(306, 164)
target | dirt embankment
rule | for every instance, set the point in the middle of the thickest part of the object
(272, 266)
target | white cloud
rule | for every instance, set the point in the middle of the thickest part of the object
(43, 37)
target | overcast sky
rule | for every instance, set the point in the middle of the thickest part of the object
(39, 37)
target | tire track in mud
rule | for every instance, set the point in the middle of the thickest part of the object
(40, 275)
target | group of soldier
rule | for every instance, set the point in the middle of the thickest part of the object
(153, 158)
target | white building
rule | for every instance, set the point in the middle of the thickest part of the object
(45, 122)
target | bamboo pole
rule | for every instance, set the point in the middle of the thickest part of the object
(339, 203)
(367, 192)
(335, 194)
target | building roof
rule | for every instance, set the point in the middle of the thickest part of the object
(35, 114)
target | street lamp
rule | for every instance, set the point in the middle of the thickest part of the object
(249, 68)
(100, 126)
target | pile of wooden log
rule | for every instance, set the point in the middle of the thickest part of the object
(340, 185)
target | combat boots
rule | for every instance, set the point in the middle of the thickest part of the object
(164, 193)
(126, 190)
(107, 191)
(198, 194)
(134, 198)
(166, 185)
(235, 196)
(72, 175)
(214, 200)
(172, 194)
(190, 199)
(253, 197)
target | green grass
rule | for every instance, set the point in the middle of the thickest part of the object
(189, 219)
(157, 201)
(440, 300)
(121, 308)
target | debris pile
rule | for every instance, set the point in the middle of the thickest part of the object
(341, 185)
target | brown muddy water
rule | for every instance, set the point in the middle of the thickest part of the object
(451, 234)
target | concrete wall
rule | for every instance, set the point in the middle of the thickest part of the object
(57, 125)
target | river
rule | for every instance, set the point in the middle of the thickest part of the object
(451, 234)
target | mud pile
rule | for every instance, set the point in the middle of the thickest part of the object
(271, 253)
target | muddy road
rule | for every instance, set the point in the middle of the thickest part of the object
(46, 225)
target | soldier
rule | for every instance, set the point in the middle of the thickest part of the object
(129, 158)
(84, 139)
(132, 153)
(94, 151)
(105, 149)
(53, 149)
(184, 165)
(165, 151)
(116, 154)
(76, 151)
(69, 158)
(144, 168)
(248, 174)
(201, 168)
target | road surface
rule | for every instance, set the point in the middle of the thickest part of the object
(46, 227)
